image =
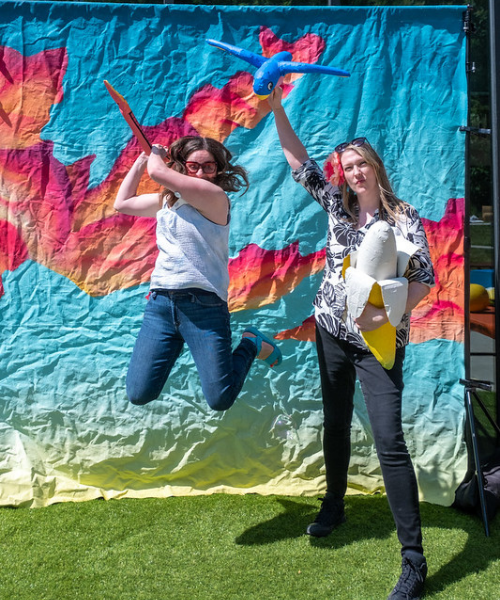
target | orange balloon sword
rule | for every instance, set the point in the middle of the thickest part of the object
(129, 116)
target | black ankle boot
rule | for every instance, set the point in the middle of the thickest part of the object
(330, 516)
(411, 583)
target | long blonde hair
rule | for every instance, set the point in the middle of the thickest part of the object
(390, 204)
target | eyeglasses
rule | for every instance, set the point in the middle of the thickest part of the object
(361, 141)
(209, 168)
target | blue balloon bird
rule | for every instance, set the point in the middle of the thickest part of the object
(269, 70)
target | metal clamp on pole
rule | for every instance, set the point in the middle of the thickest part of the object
(476, 130)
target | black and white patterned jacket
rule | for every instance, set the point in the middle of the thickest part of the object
(342, 239)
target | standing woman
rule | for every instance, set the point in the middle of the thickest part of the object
(189, 284)
(353, 206)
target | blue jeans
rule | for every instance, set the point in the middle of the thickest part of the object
(201, 320)
(340, 363)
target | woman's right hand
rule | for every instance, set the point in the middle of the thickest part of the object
(142, 160)
(275, 98)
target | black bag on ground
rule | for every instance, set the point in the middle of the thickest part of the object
(467, 493)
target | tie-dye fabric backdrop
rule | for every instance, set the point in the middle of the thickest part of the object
(74, 273)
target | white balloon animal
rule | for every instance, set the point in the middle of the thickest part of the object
(374, 273)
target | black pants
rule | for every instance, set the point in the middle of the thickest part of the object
(339, 363)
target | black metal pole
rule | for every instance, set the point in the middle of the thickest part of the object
(495, 151)
(467, 244)
(469, 392)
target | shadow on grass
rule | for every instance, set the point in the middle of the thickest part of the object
(292, 523)
(287, 525)
(476, 555)
(369, 517)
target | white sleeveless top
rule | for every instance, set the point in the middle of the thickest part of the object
(193, 251)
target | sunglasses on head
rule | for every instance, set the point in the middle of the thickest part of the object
(361, 141)
(209, 168)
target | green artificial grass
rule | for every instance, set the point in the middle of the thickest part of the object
(234, 547)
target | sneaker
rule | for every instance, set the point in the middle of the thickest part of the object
(411, 583)
(330, 516)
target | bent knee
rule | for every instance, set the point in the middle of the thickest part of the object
(220, 406)
(139, 399)
(219, 403)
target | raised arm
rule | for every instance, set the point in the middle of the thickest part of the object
(294, 150)
(128, 202)
(207, 197)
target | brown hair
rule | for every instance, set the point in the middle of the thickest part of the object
(390, 204)
(231, 178)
